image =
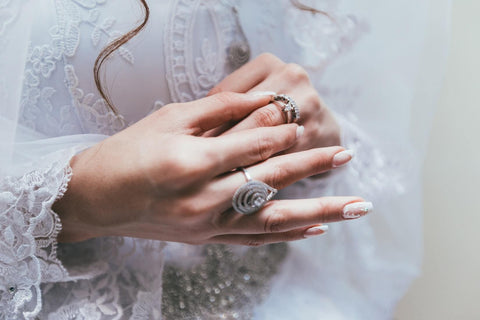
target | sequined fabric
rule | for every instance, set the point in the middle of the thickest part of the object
(225, 285)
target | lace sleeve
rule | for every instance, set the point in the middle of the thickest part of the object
(28, 232)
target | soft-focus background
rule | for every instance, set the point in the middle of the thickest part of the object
(449, 287)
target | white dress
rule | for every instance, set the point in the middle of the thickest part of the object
(364, 61)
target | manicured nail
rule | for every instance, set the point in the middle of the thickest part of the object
(263, 93)
(315, 231)
(356, 210)
(342, 158)
(300, 130)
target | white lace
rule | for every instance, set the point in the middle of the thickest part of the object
(109, 283)
(82, 112)
(29, 229)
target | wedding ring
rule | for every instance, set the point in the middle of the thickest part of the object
(252, 195)
(290, 107)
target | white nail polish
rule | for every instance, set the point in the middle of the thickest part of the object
(343, 158)
(315, 231)
(300, 131)
(263, 93)
(357, 209)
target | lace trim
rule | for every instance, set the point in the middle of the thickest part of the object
(28, 232)
(190, 75)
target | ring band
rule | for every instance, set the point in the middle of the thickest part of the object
(290, 107)
(252, 195)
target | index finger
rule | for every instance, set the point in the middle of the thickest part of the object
(210, 112)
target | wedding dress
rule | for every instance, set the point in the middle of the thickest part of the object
(370, 62)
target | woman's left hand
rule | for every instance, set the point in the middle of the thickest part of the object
(269, 73)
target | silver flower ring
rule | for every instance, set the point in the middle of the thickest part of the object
(252, 195)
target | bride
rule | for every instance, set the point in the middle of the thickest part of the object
(133, 168)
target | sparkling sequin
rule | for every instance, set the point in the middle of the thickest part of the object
(226, 285)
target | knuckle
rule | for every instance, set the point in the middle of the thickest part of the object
(313, 100)
(334, 133)
(254, 242)
(184, 164)
(185, 171)
(166, 111)
(323, 162)
(264, 147)
(269, 58)
(222, 222)
(186, 209)
(226, 98)
(296, 73)
(278, 174)
(322, 211)
(276, 221)
(294, 235)
(215, 90)
(268, 116)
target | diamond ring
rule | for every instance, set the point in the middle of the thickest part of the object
(290, 107)
(252, 195)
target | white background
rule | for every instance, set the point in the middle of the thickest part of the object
(449, 287)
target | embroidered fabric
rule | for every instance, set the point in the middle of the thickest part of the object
(28, 229)
(202, 42)
(48, 64)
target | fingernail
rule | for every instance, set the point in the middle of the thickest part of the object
(300, 130)
(357, 209)
(263, 93)
(315, 231)
(342, 158)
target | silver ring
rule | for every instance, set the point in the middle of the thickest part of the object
(252, 195)
(290, 107)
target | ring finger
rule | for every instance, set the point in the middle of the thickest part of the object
(281, 171)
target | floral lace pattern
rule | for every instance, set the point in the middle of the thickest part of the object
(28, 229)
(84, 113)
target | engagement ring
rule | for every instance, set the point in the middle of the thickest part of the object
(252, 195)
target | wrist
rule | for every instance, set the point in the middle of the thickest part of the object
(70, 207)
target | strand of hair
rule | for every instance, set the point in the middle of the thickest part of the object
(112, 47)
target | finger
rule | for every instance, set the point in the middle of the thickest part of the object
(251, 146)
(210, 112)
(281, 171)
(271, 115)
(284, 170)
(267, 116)
(255, 240)
(249, 75)
(286, 215)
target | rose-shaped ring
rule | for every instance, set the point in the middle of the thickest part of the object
(290, 107)
(252, 195)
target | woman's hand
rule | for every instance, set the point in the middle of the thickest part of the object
(161, 179)
(269, 73)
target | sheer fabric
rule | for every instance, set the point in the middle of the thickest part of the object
(365, 60)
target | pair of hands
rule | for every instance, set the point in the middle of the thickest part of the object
(170, 176)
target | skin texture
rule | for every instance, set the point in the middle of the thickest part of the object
(269, 73)
(171, 175)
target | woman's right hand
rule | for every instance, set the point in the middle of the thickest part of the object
(161, 179)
